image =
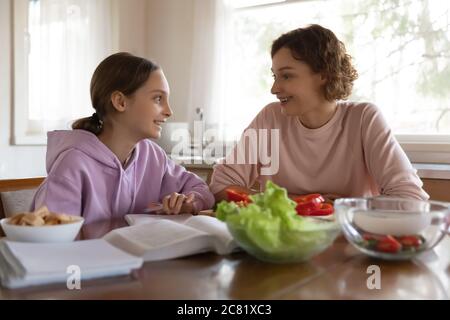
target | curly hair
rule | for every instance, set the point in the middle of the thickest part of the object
(324, 53)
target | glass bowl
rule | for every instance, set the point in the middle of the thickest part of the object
(392, 228)
(294, 245)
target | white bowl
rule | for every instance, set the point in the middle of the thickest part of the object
(52, 233)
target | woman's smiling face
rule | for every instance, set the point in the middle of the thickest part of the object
(297, 87)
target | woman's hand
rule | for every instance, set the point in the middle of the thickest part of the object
(329, 198)
(176, 203)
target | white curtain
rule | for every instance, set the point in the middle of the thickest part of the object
(208, 73)
(68, 38)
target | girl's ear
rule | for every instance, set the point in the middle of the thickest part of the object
(323, 79)
(118, 101)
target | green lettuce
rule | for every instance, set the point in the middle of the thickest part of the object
(271, 229)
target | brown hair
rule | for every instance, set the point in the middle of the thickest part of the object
(325, 54)
(122, 72)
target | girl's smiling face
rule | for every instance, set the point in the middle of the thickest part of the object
(298, 88)
(148, 107)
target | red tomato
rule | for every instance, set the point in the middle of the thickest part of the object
(375, 237)
(389, 244)
(410, 241)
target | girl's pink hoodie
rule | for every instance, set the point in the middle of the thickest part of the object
(86, 178)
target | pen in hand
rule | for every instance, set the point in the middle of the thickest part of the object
(173, 203)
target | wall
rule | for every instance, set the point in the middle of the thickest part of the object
(131, 27)
(170, 36)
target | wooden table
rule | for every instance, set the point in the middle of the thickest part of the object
(338, 273)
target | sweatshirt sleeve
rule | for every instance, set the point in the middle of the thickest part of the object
(59, 194)
(178, 179)
(227, 173)
(386, 161)
(241, 167)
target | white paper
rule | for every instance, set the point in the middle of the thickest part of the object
(134, 219)
(158, 237)
(38, 263)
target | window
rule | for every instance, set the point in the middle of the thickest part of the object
(57, 45)
(401, 49)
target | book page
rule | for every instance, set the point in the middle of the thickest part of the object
(133, 219)
(222, 238)
(160, 239)
(223, 242)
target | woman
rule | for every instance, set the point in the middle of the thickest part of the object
(325, 145)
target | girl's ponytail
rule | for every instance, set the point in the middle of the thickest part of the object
(92, 124)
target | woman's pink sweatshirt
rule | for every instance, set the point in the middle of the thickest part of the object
(355, 154)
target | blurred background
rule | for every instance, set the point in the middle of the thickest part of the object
(216, 56)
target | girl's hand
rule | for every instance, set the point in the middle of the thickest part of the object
(176, 203)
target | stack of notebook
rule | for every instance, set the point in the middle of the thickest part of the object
(26, 264)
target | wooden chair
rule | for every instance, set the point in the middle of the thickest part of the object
(18, 184)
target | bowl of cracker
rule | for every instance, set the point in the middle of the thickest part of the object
(42, 225)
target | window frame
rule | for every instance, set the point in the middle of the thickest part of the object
(420, 148)
(21, 135)
(25, 131)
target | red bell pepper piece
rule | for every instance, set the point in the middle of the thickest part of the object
(308, 202)
(237, 196)
(325, 209)
(313, 205)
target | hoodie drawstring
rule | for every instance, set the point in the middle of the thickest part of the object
(116, 205)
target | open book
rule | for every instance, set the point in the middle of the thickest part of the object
(160, 237)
